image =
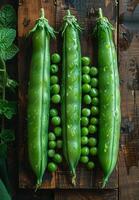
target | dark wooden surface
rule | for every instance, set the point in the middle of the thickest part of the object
(128, 48)
(28, 12)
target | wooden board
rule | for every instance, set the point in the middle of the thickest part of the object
(28, 12)
(129, 73)
(86, 195)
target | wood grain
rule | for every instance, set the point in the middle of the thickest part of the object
(86, 195)
(28, 12)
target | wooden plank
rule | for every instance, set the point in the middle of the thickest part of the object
(86, 195)
(129, 73)
(28, 12)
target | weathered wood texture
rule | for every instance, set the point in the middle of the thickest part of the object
(86, 195)
(129, 75)
(28, 12)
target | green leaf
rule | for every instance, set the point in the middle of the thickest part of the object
(7, 108)
(7, 17)
(7, 36)
(12, 84)
(9, 52)
(7, 136)
(3, 150)
(4, 195)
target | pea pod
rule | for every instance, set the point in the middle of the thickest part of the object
(71, 92)
(109, 97)
(39, 97)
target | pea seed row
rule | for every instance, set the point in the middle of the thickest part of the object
(54, 136)
(90, 111)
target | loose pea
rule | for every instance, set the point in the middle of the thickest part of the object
(57, 158)
(54, 69)
(84, 140)
(53, 112)
(56, 120)
(85, 151)
(56, 98)
(94, 82)
(92, 129)
(93, 71)
(92, 141)
(55, 58)
(53, 79)
(57, 131)
(84, 131)
(86, 70)
(51, 136)
(52, 144)
(95, 101)
(94, 110)
(94, 92)
(51, 153)
(86, 78)
(59, 144)
(84, 121)
(90, 165)
(86, 88)
(52, 167)
(93, 151)
(94, 120)
(84, 159)
(86, 112)
(87, 99)
(85, 61)
(55, 89)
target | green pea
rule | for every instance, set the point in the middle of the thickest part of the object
(59, 144)
(86, 112)
(85, 60)
(93, 71)
(86, 88)
(57, 131)
(56, 98)
(51, 136)
(94, 82)
(52, 167)
(52, 144)
(55, 89)
(84, 121)
(53, 80)
(51, 153)
(90, 165)
(84, 159)
(85, 70)
(86, 78)
(55, 58)
(92, 129)
(94, 110)
(93, 151)
(84, 140)
(57, 158)
(94, 92)
(84, 131)
(87, 99)
(53, 112)
(56, 120)
(94, 120)
(85, 151)
(92, 141)
(95, 101)
(54, 69)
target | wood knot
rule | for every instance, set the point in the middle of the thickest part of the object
(26, 22)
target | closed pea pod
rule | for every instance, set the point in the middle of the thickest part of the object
(71, 93)
(39, 97)
(109, 97)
